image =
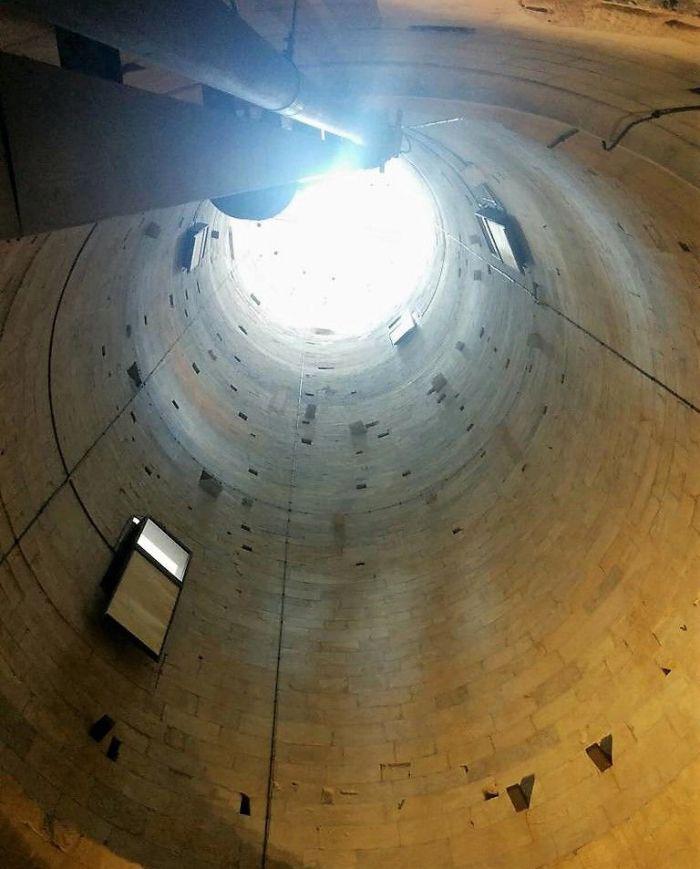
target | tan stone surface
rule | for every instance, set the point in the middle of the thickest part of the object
(419, 669)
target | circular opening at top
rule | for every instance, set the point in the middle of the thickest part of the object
(348, 254)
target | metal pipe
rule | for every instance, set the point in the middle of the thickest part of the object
(210, 43)
(77, 148)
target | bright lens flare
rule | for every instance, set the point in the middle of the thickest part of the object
(347, 255)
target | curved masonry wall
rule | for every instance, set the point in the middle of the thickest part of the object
(511, 583)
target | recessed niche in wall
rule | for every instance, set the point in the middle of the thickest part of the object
(100, 728)
(438, 383)
(462, 30)
(504, 237)
(601, 753)
(194, 246)
(211, 484)
(521, 794)
(402, 327)
(135, 375)
(113, 749)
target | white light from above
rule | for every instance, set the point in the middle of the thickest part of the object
(346, 255)
(163, 549)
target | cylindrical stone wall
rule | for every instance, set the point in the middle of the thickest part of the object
(381, 631)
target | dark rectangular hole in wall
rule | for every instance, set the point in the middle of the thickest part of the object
(135, 375)
(245, 804)
(195, 368)
(100, 728)
(443, 28)
(113, 750)
(359, 564)
(253, 472)
(210, 483)
(245, 527)
(517, 797)
(306, 441)
(242, 415)
(601, 753)
(247, 547)
(172, 301)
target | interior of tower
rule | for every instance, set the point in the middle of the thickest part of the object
(350, 434)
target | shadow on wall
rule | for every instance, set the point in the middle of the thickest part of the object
(32, 839)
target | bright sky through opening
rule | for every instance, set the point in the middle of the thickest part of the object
(347, 254)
